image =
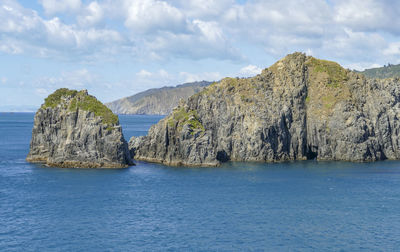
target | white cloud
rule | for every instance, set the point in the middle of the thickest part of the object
(157, 31)
(93, 14)
(209, 30)
(361, 66)
(250, 70)
(15, 19)
(158, 75)
(145, 79)
(77, 79)
(58, 6)
(3, 80)
(59, 34)
(351, 31)
(153, 79)
(204, 40)
(25, 31)
(204, 9)
(42, 91)
(10, 47)
(369, 15)
(279, 24)
(146, 16)
(143, 74)
(207, 76)
(355, 45)
(393, 49)
(164, 74)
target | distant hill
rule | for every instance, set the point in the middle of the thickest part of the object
(156, 101)
(389, 71)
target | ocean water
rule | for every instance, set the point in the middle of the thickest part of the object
(296, 206)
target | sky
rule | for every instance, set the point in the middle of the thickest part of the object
(116, 48)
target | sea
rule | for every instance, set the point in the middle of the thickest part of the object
(291, 206)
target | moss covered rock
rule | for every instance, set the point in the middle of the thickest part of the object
(80, 100)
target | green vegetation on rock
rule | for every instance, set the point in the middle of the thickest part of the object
(327, 86)
(82, 101)
(207, 90)
(89, 103)
(55, 98)
(182, 117)
(336, 74)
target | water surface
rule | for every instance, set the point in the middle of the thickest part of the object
(296, 206)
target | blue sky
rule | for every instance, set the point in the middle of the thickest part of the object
(115, 48)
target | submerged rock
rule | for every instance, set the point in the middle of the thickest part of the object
(74, 129)
(299, 108)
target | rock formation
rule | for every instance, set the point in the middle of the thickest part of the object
(299, 108)
(74, 129)
(156, 101)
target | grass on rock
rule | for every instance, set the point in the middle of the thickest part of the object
(81, 100)
(182, 117)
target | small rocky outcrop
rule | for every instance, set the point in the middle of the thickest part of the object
(299, 108)
(74, 129)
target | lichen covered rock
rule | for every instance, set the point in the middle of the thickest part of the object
(299, 108)
(74, 129)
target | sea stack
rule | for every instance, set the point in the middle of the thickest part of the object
(74, 130)
(299, 108)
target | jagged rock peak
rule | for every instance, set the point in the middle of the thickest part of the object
(299, 108)
(74, 129)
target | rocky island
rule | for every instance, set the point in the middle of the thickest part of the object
(74, 129)
(299, 108)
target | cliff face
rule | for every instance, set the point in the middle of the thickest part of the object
(299, 108)
(73, 129)
(158, 101)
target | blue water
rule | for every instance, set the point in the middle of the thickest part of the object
(299, 206)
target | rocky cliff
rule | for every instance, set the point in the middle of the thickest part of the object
(157, 101)
(299, 108)
(74, 129)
